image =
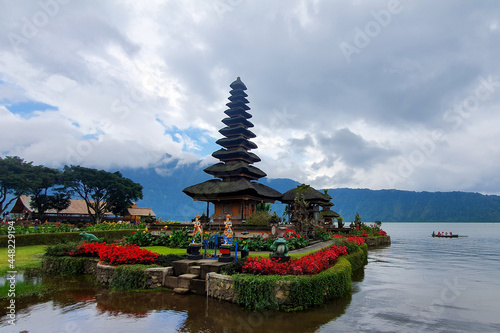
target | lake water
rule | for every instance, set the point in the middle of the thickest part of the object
(418, 284)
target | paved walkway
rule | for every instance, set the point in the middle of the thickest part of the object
(313, 247)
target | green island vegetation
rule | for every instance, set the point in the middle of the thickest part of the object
(133, 250)
(143, 249)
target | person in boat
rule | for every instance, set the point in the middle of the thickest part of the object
(439, 234)
(433, 234)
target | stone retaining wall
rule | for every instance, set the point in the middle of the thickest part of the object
(378, 241)
(155, 276)
(221, 287)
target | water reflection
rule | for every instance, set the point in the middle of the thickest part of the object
(78, 300)
(400, 290)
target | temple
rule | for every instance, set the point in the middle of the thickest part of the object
(235, 189)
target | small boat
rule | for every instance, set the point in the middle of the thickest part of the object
(445, 235)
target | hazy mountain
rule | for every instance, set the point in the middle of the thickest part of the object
(164, 194)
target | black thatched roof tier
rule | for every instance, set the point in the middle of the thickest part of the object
(310, 194)
(238, 112)
(239, 154)
(238, 104)
(236, 141)
(217, 189)
(238, 92)
(238, 98)
(238, 84)
(222, 170)
(237, 130)
(329, 213)
(237, 120)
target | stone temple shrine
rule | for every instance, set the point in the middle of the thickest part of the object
(235, 190)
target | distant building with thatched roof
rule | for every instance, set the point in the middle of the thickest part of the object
(76, 211)
(235, 190)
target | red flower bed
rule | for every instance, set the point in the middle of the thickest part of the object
(310, 264)
(126, 254)
(88, 249)
(382, 233)
(116, 254)
(351, 238)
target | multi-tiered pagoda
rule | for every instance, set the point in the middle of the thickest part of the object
(235, 190)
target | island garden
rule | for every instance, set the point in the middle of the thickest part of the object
(240, 253)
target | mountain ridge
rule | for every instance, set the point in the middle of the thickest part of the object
(163, 193)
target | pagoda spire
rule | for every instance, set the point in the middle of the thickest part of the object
(235, 157)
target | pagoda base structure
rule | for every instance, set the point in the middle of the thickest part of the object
(194, 251)
(226, 256)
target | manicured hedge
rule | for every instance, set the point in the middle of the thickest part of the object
(64, 265)
(310, 291)
(129, 277)
(63, 237)
(360, 258)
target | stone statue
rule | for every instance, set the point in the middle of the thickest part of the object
(228, 231)
(279, 248)
(197, 232)
(88, 237)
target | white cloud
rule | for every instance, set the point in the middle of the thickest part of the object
(140, 84)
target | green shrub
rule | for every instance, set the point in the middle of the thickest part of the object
(258, 218)
(321, 234)
(259, 243)
(311, 291)
(61, 250)
(140, 238)
(165, 260)
(256, 291)
(129, 277)
(234, 267)
(108, 236)
(65, 266)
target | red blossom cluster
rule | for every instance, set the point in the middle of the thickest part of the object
(87, 249)
(290, 233)
(116, 254)
(351, 238)
(382, 233)
(310, 264)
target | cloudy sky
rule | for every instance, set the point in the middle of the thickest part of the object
(370, 94)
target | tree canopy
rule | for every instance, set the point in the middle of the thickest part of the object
(13, 179)
(102, 191)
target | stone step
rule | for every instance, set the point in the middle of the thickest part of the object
(189, 276)
(181, 291)
(181, 266)
(195, 270)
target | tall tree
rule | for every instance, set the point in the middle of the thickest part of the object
(102, 191)
(13, 179)
(41, 182)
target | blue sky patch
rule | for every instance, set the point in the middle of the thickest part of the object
(26, 109)
(204, 141)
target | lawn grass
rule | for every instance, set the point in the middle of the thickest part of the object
(26, 257)
(165, 250)
(22, 289)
